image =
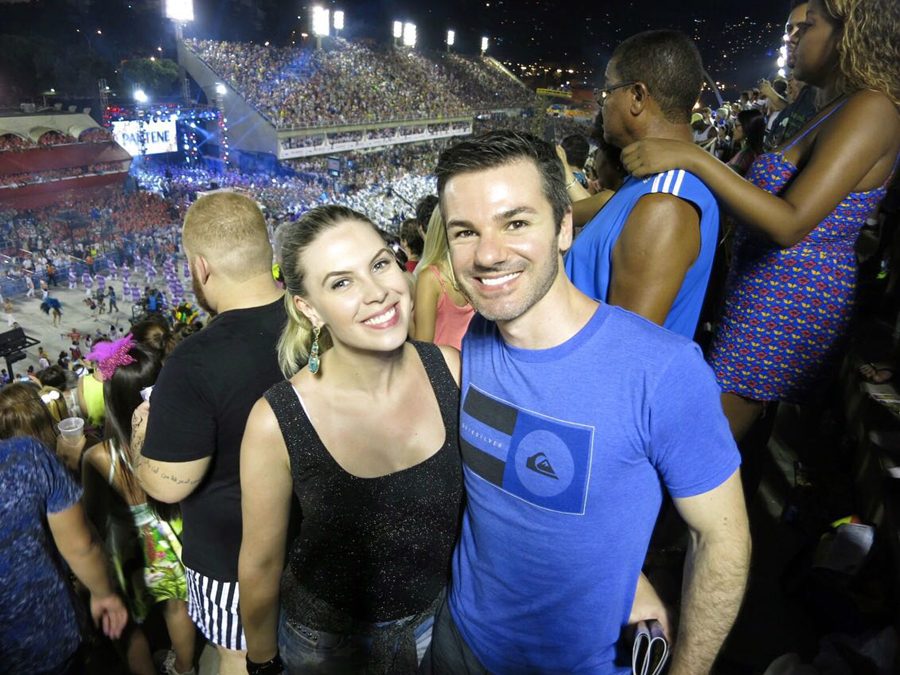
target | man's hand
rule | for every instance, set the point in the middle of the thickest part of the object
(109, 614)
(648, 606)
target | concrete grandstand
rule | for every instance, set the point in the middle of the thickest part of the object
(298, 102)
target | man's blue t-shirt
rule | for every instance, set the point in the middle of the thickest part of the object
(589, 262)
(566, 452)
(38, 618)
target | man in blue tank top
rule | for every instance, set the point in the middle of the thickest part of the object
(574, 416)
(650, 249)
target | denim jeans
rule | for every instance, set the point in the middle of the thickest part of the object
(449, 654)
(306, 650)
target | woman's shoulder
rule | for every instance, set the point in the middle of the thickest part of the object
(863, 107)
(98, 456)
(432, 355)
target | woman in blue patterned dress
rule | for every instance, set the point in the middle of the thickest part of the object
(792, 285)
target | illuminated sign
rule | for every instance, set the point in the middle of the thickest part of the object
(158, 137)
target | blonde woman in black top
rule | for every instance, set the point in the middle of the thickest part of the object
(364, 433)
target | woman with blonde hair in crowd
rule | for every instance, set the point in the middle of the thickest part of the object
(792, 285)
(442, 312)
(364, 433)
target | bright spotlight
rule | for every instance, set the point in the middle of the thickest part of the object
(221, 90)
(321, 21)
(451, 38)
(180, 10)
(409, 34)
(141, 96)
(484, 44)
(398, 30)
(339, 19)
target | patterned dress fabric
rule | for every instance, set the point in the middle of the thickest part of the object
(788, 309)
(145, 551)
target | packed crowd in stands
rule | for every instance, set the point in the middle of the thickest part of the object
(352, 83)
(363, 183)
(481, 85)
(55, 138)
(330, 138)
(106, 215)
(26, 178)
(13, 142)
(95, 135)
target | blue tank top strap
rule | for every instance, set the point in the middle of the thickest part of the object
(817, 123)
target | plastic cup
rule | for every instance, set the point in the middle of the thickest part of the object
(71, 428)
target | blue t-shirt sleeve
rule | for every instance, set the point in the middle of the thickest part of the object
(61, 491)
(691, 445)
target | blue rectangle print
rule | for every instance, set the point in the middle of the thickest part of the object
(549, 463)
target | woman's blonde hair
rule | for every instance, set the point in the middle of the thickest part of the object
(56, 403)
(294, 238)
(22, 413)
(437, 248)
(868, 48)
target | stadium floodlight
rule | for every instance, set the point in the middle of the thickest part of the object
(321, 20)
(484, 44)
(782, 72)
(398, 30)
(451, 38)
(221, 90)
(339, 19)
(409, 34)
(140, 96)
(180, 11)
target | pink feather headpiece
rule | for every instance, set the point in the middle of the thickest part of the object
(110, 355)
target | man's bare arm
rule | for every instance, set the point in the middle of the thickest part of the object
(658, 244)
(715, 574)
(169, 482)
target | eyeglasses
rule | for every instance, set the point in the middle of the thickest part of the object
(603, 94)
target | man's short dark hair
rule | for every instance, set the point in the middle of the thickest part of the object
(668, 63)
(412, 237)
(577, 149)
(424, 209)
(497, 148)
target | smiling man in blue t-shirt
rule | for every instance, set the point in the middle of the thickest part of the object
(574, 416)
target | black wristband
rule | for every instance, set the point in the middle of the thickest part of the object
(271, 667)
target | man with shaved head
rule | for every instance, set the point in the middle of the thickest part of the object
(201, 402)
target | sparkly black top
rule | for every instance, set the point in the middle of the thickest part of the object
(369, 549)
